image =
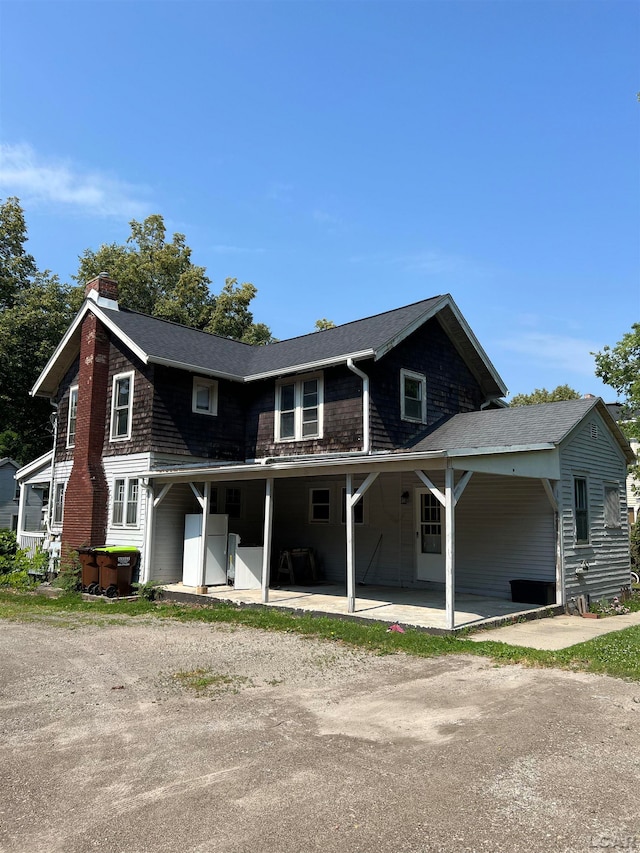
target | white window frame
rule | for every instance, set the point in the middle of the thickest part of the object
(299, 408)
(612, 518)
(313, 504)
(585, 509)
(58, 504)
(130, 375)
(212, 387)
(73, 409)
(422, 379)
(130, 486)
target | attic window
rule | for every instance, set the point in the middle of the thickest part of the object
(204, 400)
(593, 430)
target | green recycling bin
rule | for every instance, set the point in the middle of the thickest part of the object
(116, 564)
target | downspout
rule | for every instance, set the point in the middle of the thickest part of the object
(366, 436)
(54, 421)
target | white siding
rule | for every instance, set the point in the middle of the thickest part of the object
(600, 460)
(131, 465)
(168, 533)
(505, 530)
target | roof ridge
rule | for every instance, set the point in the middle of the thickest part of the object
(358, 320)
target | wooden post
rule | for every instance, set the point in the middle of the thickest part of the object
(351, 548)
(266, 546)
(206, 498)
(450, 554)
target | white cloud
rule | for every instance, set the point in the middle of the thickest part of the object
(23, 172)
(428, 262)
(549, 350)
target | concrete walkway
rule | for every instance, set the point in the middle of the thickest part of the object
(558, 632)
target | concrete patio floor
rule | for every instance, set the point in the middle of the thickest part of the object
(416, 607)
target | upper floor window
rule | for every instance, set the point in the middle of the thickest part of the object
(125, 502)
(581, 509)
(73, 416)
(204, 399)
(299, 409)
(121, 406)
(413, 396)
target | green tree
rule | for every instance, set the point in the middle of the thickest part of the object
(541, 395)
(157, 277)
(323, 324)
(231, 316)
(17, 267)
(619, 367)
(30, 330)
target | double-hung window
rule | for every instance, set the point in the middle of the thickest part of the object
(121, 406)
(320, 506)
(72, 417)
(299, 409)
(58, 503)
(581, 510)
(204, 400)
(413, 396)
(125, 502)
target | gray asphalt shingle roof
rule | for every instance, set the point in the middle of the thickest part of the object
(180, 344)
(546, 423)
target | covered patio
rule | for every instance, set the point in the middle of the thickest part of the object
(419, 608)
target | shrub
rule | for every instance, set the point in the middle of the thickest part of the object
(150, 591)
(70, 577)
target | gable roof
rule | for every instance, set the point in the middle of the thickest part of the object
(7, 460)
(541, 426)
(162, 342)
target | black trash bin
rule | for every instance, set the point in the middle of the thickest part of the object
(533, 592)
(117, 564)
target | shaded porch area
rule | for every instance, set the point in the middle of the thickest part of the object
(409, 607)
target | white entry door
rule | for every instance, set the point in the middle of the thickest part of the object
(430, 537)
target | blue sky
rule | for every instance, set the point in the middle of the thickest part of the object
(348, 157)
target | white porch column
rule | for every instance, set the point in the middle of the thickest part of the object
(266, 541)
(351, 548)
(206, 499)
(450, 553)
(149, 518)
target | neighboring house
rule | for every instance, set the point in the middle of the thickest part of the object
(383, 445)
(9, 494)
(633, 487)
(32, 509)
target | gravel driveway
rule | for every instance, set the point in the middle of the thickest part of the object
(139, 735)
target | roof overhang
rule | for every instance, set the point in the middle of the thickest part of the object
(462, 337)
(537, 461)
(39, 465)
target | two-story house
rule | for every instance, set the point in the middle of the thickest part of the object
(382, 446)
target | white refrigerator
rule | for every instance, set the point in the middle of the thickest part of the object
(216, 562)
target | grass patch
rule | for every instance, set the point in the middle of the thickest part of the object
(616, 654)
(207, 683)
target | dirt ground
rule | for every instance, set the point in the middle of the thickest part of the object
(142, 735)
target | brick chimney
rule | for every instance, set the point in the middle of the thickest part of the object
(87, 494)
(103, 290)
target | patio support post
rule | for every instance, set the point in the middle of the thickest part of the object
(148, 532)
(206, 499)
(450, 555)
(266, 547)
(351, 548)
